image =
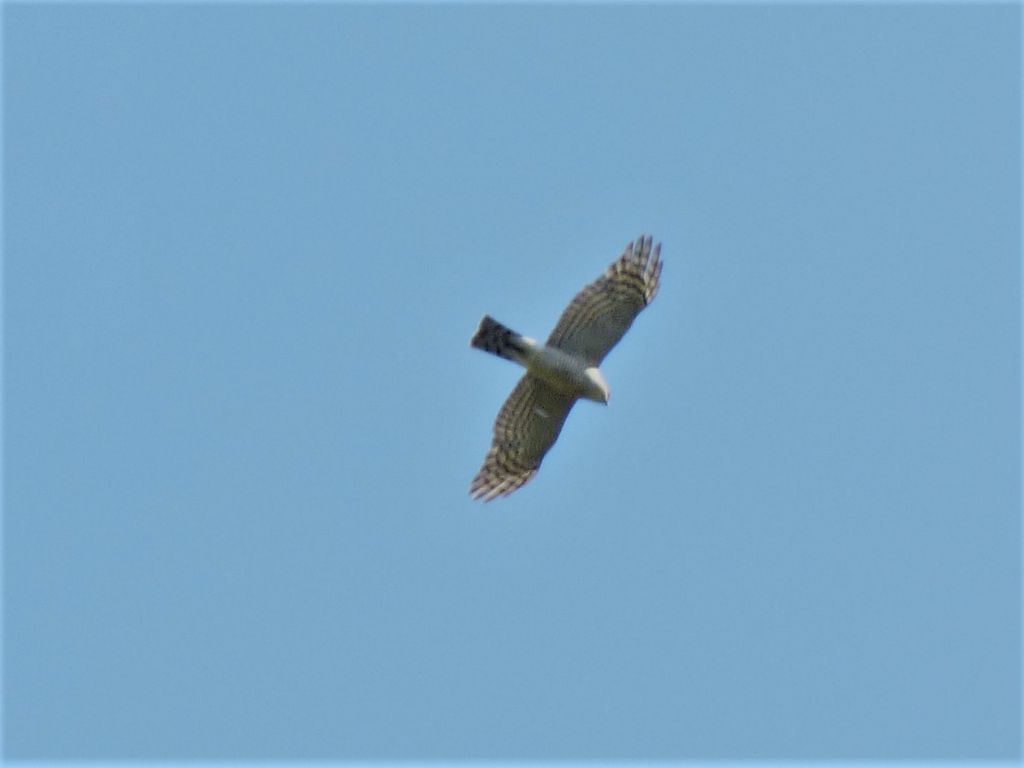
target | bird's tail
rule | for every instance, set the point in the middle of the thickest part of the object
(495, 338)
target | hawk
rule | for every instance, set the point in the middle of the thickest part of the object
(563, 369)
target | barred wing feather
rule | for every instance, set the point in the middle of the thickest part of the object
(526, 428)
(602, 312)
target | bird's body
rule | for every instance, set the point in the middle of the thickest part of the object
(562, 370)
(567, 373)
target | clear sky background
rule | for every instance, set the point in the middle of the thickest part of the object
(244, 250)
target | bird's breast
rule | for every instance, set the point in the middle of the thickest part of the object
(561, 370)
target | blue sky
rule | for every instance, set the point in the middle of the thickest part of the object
(245, 247)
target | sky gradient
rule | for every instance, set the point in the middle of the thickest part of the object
(245, 247)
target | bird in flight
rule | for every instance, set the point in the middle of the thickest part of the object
(561, 370)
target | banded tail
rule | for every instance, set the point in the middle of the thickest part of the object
(499, 340)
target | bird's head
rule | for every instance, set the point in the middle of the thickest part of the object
(597, 387)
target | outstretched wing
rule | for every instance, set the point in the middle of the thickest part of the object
(527, 426)
(603, 311)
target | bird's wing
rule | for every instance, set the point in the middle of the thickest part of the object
(603, 311)
(527, 426)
